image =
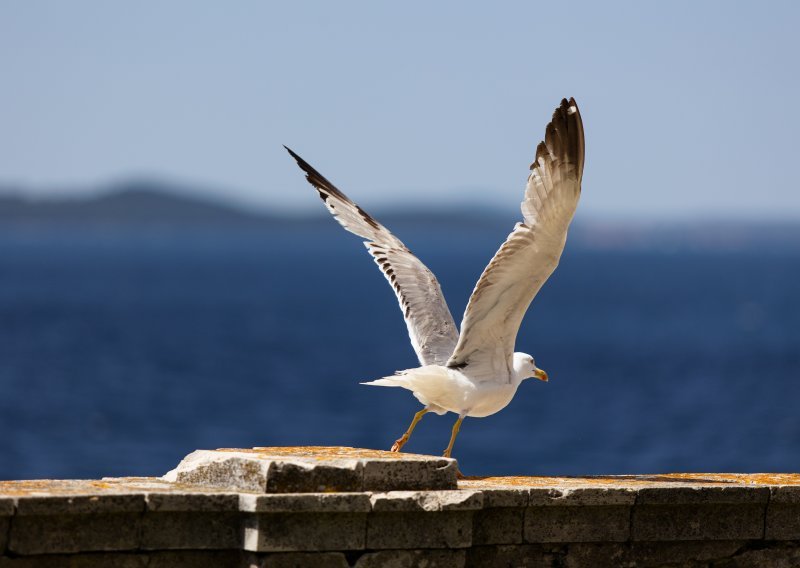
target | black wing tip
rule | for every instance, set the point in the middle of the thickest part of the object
(300, 161)
(563, 134)
(313, 176)
(566, 108)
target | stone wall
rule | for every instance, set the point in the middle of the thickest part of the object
(225, 517)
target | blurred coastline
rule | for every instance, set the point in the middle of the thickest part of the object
(148, 204)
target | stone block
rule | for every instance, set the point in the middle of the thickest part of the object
(305, 503)
(51, 534)
(412, 559)
(609, 523)
(179, 501)
(505, 497)
(702, 494)
(783, 514)
(647, 554)
(191, 530)
(445, 529)
(785, 494)
(80, 504)
(498, 525)
(289, 532)
(297, 560)
(516, 555)
(313, 470)
(252, 471)
(288, 477)
(431, 473)
(581, 496)
(6, 507)
(783, 522)
(698, 522)
(431, 501)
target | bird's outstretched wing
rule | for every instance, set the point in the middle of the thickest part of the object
(430, 325)
(529, 255)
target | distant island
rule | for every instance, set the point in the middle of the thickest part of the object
(130, 203)
(147, 204)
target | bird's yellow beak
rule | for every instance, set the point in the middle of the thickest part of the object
(540, 374)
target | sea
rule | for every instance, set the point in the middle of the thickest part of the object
(122, 350)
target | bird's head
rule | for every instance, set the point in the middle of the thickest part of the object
(525, 368)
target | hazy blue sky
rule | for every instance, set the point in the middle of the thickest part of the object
(690, 108)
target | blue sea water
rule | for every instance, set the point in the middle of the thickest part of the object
(122, 351)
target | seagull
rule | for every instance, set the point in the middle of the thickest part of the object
(476, 373)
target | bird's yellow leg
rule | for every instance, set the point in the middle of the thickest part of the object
(456, 428)
(401, 441)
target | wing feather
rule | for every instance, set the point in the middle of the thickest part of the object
(529, 255)
(430, 325)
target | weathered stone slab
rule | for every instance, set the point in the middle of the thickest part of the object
(429, 473)
(655, 520)
(504, 497)
(581, 496)
(518, 556)
(51, 534)
(702, 494)
(202, 530)
(80, 504)
(313, 470)
(289, 532)
(606, 523)
(192, 502)
(431, 501)
(446, 529)
(742, 521)
(297, 560)
(412, 559)
(306, 503)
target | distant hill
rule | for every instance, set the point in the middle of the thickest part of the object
(133, 203)
(144, 203)
(138, 204)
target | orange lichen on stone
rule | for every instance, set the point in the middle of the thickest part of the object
(344, 457)
(326, 452)
(88, 487)
(636, 481)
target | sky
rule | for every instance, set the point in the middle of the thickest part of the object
(690, 108)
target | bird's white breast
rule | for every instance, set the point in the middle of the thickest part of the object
(489, 398)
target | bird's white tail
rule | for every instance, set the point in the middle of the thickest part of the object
(432, 385)
(385, 382)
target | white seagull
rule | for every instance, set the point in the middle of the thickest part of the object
(477, 372)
